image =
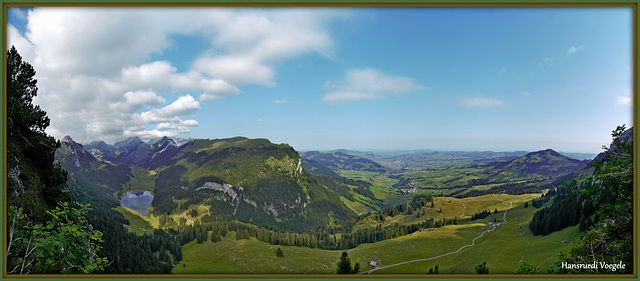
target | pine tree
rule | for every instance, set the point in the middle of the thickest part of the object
(482, 268)
(28, 144)
(279, 253)
(344, 265)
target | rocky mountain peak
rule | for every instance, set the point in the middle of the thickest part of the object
(67, 139)
(130, 142)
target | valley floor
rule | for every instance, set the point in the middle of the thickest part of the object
(456, 249)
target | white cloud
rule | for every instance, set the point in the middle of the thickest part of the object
(236, 69)
(368, 83)
(281, 101)
(481, 102)
(95, 72)
(503, 69)
(254, 42)
(134, 101)
(624, 100)
(526, 93)
(184, 105)
(176, 125)
(155, 74)
(574, 49)
(340, 97)
(23, 46)
(104, 40)
(258, 120)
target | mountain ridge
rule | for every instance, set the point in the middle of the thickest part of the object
(541, 164)
(252, 180)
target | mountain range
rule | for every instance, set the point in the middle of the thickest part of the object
(256, 181)
(252, 180)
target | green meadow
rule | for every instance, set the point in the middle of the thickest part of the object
(503, 248)
(137, 224)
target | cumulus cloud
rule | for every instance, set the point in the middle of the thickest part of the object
(24, 47)
(134, 101)
(574, 49)
(184, 105)
(155, 74)
(367, 84)
(624, 100)
(236, 69)
(255, 42)
(96, 75)
(481, 102)
(280, 101)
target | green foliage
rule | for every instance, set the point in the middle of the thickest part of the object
(480, 215)
(316, 168)
(35, 183)
(568, 209)
(611, 188)
(279, 253)
(339, 160)
(65, 244)
(482, 268)
(525, 268)
(344, 265)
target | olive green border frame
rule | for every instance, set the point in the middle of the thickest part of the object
(318, 3)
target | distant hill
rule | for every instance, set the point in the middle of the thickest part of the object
(317, 168)
(339, 160)
(540, 164)
(431, 159)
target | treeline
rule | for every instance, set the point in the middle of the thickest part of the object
(372, 235)
(340, 185)
(568, 209)
(482, 215)
(537, 203)
(513, 188)
(416, 203)
(325, 238)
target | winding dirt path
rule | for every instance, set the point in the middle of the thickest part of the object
(473, 242)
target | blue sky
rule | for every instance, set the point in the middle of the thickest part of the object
(500, 79)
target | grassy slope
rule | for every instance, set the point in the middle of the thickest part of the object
(135, 221)
(502, 249)
(143, 179)
(252, 256)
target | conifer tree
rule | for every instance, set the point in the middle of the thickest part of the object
(279, 253)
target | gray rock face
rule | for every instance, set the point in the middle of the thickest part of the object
(226, 188)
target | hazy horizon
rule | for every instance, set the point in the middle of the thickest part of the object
(374, 150)
(446, 79)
